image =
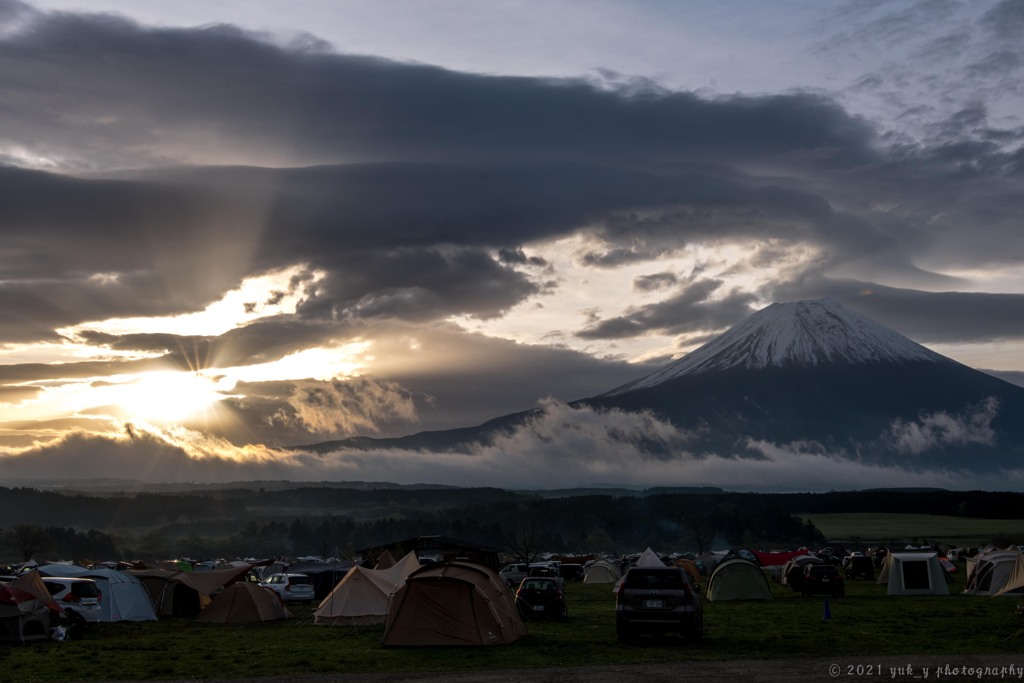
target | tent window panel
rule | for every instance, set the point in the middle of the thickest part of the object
(916, 575)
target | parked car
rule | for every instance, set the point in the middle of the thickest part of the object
(822, 579)
(860, 566)
(81, 596)
(541, 596)
(514, 573)
(291, 587)
(657, 600)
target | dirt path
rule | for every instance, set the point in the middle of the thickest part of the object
(910, 668)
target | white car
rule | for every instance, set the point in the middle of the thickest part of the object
(80, 595)
(291, 587)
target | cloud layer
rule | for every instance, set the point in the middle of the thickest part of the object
(473, 242)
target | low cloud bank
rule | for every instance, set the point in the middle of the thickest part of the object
(932, 430)
(562, 446)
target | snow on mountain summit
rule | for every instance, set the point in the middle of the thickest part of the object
(796, 333)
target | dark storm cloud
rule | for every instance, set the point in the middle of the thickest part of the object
(219, 93)
(410, 241)
(650, 283)
(689, 310)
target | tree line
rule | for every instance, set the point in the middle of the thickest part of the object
(339, 522)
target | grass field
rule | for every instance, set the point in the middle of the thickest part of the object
(898, 528)
(865, 623)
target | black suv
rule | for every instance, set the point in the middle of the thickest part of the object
(657, 600)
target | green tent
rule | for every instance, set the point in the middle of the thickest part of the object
(738, 579)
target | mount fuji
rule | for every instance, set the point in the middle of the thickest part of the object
(811, 375)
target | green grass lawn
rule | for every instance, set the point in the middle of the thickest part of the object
(864, 623)
(886, 527)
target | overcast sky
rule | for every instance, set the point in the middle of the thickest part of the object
(232, 227)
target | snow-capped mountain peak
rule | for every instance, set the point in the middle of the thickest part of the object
(801, 333)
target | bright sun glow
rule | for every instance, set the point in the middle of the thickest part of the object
(168, 397)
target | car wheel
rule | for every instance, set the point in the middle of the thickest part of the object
(565, 614)
(697, 632)
(624, 634)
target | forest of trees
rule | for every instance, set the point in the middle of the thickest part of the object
(339, 521)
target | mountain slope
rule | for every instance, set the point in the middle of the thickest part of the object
(804, 333)
(811, 375)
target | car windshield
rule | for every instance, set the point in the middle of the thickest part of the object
(300, 580)
(646, 578)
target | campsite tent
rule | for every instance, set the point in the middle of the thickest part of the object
(738, 579)
(691, 568)
(26, 609)
(124, 598)
(244, 602)
(185, 593)
(361, 598)
(602, 571)
(23, 616)
(649, 558)
(454, 603)
(991, 572)
(1014, 584)
(914, 573)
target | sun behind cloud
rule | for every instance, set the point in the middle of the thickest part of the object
(169, 397)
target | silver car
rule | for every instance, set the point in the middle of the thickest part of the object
(291, 587)
(79, 595)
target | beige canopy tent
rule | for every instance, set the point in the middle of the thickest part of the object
(914, 573)
(455, 603)
(244, 602)
(361, 597)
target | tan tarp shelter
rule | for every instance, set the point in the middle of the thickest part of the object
(361, 598)
(602, 571)
(914, 573)
(455, 603)
(244, 602)
(32, 583)
(185, 593)
(738, 579)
